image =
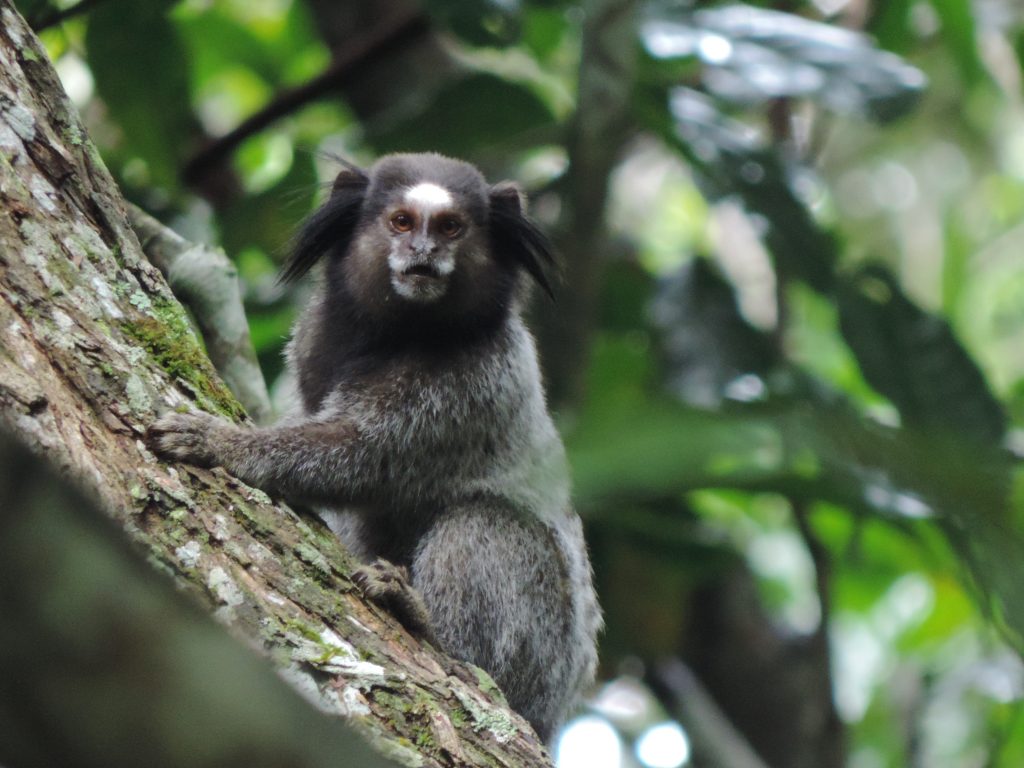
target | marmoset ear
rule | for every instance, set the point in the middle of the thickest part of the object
(515, 238)
(331, 227)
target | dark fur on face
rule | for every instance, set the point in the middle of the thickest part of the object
(366, 320)
(353, 231)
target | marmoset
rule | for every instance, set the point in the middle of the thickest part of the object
(423, 433)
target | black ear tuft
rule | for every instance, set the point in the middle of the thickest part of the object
(331, 226)
(516, 239)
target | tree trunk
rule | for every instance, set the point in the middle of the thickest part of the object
(92, 347)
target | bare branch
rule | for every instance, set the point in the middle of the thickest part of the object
(715, 739)
(55, 17)
(396, 34)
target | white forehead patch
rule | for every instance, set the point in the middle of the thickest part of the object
(429, 195)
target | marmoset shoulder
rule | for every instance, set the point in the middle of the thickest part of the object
(423, 432)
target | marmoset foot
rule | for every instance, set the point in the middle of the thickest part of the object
(389, 586)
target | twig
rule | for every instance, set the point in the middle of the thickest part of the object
(597, 133)
(822, 561)
(56, 17)
(780, 122)
(396, 34)
(819, 557)
(716, 741)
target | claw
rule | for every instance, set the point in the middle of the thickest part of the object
(389, 586)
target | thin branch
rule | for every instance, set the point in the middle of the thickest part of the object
(55, 16)
(716, 741)
(780, 122)
(346, 66)
(822, 561)
(597, 133)
(819, 557)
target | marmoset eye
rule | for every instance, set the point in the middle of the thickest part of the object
(402, 222)
(449, 226)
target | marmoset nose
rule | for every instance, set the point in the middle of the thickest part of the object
(423, 246)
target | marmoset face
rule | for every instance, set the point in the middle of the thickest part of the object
(429, 236)
(423, 242)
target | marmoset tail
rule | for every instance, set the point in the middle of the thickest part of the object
(423, 433)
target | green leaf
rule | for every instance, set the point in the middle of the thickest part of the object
(912, 358)
(960, 36)
(268, 219)
(285, 51)
(652, 448)
(270, 329)
(890, 24)
(478, 112)
(141, 72)
(814, 344)
(1018, 46)
(626, 288)
(216, 41)
(752, 55)
(544, 29)
(478, 22)
(710, 351)
(732, 162)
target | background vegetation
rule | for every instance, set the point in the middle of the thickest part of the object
(788, 351)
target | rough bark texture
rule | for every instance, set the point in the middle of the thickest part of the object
(103, 666)
(92, 347)
(205, 279)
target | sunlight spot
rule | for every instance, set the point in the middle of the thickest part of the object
(589, 742)
(76, 77)
(746, 388)
(895, 187)
(664, 745)
(714, 49)
(622, 699)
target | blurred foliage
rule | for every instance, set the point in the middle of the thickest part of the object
(815, 302)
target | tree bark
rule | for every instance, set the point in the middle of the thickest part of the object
(92, 347)
(103, 666)
(206, 280)
(596, 136)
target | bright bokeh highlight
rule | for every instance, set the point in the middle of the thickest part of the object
(589, 742)
(664, 745)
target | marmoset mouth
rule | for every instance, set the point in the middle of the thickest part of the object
(419, 283)
(421, 270)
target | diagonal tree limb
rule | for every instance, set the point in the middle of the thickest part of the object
(395, 35)
(93, 346)
(715, 740)
(58, 16)
(87, 627)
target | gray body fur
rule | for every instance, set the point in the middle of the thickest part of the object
(444, 462)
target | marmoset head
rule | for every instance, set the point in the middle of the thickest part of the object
(423, 234)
